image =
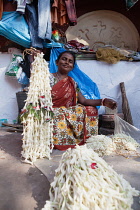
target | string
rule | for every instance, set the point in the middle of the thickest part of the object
(30, 51)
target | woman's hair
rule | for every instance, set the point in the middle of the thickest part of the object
(70, 52)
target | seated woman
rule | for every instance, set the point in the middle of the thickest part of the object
(75, 117)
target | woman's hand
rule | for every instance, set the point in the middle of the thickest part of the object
(109, 103)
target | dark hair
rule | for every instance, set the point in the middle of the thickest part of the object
(70, 52)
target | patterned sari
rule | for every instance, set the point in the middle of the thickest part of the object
(73, 122)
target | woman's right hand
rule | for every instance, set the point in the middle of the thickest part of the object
(110, 103)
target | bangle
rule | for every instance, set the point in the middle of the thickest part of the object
(102, 102)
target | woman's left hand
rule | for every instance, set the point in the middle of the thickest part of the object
(110, 103)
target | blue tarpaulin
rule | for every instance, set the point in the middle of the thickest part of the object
(130, 3)
(14, 27)
(88, 88)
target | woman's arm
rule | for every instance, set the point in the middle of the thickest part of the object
(96, 102)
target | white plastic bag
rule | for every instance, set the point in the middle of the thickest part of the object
(121, 126)
(14, 67)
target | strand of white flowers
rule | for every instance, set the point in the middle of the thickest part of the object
(37, 134)
(39, 81)
(78, 186)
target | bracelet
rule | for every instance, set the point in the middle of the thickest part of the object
(102, 102)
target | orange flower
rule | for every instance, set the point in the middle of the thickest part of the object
(79, 110)
(55, 140)
(77, 141)
(87, 120)
(69, 131)
(93, 123)
(80, 127)
(61, 125)
(73, 117)
(63, 107)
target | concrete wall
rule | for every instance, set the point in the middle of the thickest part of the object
(8, 89)
(106, 76)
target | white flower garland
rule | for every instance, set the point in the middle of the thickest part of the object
(37, 117)
(85, 181)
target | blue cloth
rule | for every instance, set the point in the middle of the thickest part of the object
(14, 27)
(130, 3)
(88, 88)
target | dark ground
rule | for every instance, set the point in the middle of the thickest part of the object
(25, 187)
(22, 186)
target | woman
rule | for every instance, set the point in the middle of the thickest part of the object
(75, 117)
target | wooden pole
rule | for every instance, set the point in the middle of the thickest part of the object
(125, 105)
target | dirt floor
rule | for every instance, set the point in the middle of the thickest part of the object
(25, 187)
(22, 186)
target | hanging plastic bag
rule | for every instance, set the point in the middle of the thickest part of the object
(130, 3)
(14, 67)
(14, 27)
(121, 126)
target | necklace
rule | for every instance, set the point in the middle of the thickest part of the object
(59, 77)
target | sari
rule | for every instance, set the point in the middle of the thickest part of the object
(73, 122)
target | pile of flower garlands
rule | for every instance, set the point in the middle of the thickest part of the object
(37, 114)
(118, 143)
(85, 181)
(125, 142)
(101, 144)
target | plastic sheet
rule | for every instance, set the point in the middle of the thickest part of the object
(13, 67)
(14, 27)
(88, 88)
(130, 3)
(121, 126)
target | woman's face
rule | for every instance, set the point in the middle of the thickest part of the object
(65, 63)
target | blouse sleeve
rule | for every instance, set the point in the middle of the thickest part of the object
(77, 87)
(53, 80)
